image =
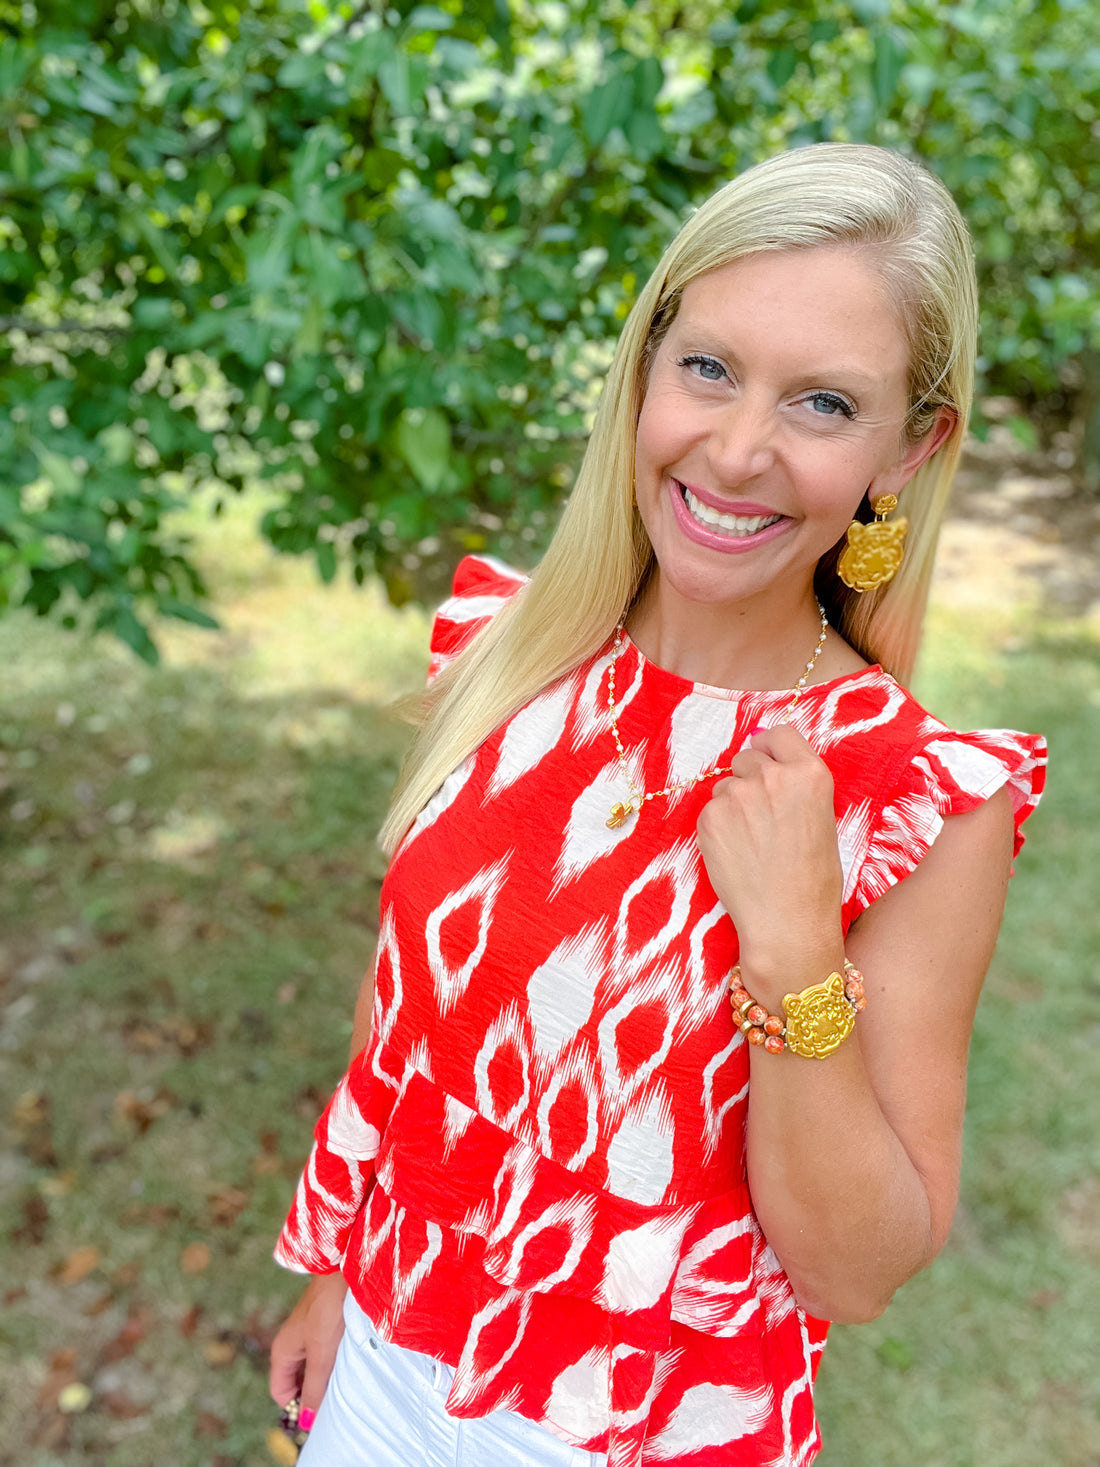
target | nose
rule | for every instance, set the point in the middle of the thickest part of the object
(741, 444)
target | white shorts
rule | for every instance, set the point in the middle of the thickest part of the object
(384, 1408)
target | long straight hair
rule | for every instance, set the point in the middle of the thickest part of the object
(908, 229)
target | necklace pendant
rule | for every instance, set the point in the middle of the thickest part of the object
(620, 814)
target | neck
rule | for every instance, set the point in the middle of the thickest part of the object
(756, 644)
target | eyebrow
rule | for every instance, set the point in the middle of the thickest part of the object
(705, 341)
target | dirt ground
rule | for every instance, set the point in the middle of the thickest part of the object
(1019, 532)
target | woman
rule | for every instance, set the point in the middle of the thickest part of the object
(628, 1124)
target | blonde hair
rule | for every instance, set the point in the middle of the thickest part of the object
(827, 195)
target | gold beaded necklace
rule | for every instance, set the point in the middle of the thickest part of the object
(622, 812)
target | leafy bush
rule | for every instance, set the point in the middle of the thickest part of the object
(378, 256)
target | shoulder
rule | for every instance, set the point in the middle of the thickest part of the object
(902, 773)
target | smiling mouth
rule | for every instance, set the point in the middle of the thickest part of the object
(736, 526)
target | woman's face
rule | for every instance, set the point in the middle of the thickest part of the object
(775, 403)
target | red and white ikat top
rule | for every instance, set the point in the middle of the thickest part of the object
(535, 1171)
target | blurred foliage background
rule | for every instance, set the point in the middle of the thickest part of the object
(377, 255)
(353, 273)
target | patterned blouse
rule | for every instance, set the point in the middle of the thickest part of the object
(535, 1171)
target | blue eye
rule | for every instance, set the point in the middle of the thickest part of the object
(710, 370)
(828, 404)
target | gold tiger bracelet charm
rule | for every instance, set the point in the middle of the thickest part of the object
(819, 1019)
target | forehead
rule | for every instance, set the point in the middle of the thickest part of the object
(824, 301)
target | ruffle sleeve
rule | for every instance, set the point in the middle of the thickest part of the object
(947, 774)
(339, 1174)
(482, 585)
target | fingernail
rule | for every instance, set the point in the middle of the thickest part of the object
(759, 728)
(306, 1418)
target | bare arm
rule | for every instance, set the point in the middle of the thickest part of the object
(853, 1161)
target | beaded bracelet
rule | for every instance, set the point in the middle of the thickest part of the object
(817, 1020)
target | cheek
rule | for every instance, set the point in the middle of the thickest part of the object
(663, 431)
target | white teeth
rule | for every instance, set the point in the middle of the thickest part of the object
(732, 524)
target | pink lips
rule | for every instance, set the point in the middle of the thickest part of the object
(725, 506)
(713, 539)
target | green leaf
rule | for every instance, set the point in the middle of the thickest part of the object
(58, 469)
(153, 311)
(643, 133)
(325, 554)
(403, 79)
(424, 441)
(781, 66)
(268, 255)
(128, 629)
(184, 611)
(889, 59)
(117, 441)
(429, 18)
(1024, 432)
(302, 70)
(608, 106)
(649, 78)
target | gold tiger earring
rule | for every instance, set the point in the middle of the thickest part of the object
(874, 552)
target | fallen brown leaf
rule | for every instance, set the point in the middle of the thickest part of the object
(226, 1205)
(220, 1352)
(128, 1274)
(209, 1425)
(259, 1333)
(190, 1321)
(36, 1218)
(98, 1305)
(141, 1038)
(33, 1119)
(310, 1101)
(53, 1434)
(59, 1186)
(128, 1338)
(195, 1258)
(79, 1264)
(62, 1373)
(146, 1036)
(156, 1214)
(120, 1405)
(141, 1110)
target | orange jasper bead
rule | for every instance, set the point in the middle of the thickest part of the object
(773, 1044)
(756, 1015)
(773, 1024)
(757, 1036)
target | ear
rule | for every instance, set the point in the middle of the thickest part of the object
(894, 479)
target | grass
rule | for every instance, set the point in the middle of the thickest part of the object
(188, 899)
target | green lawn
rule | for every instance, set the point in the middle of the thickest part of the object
(188, 899)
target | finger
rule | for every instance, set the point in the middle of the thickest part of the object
(781, 743)
(743, 766)
(285, 1376)
(319, 1363)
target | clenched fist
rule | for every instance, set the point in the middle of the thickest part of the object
(768, 839)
